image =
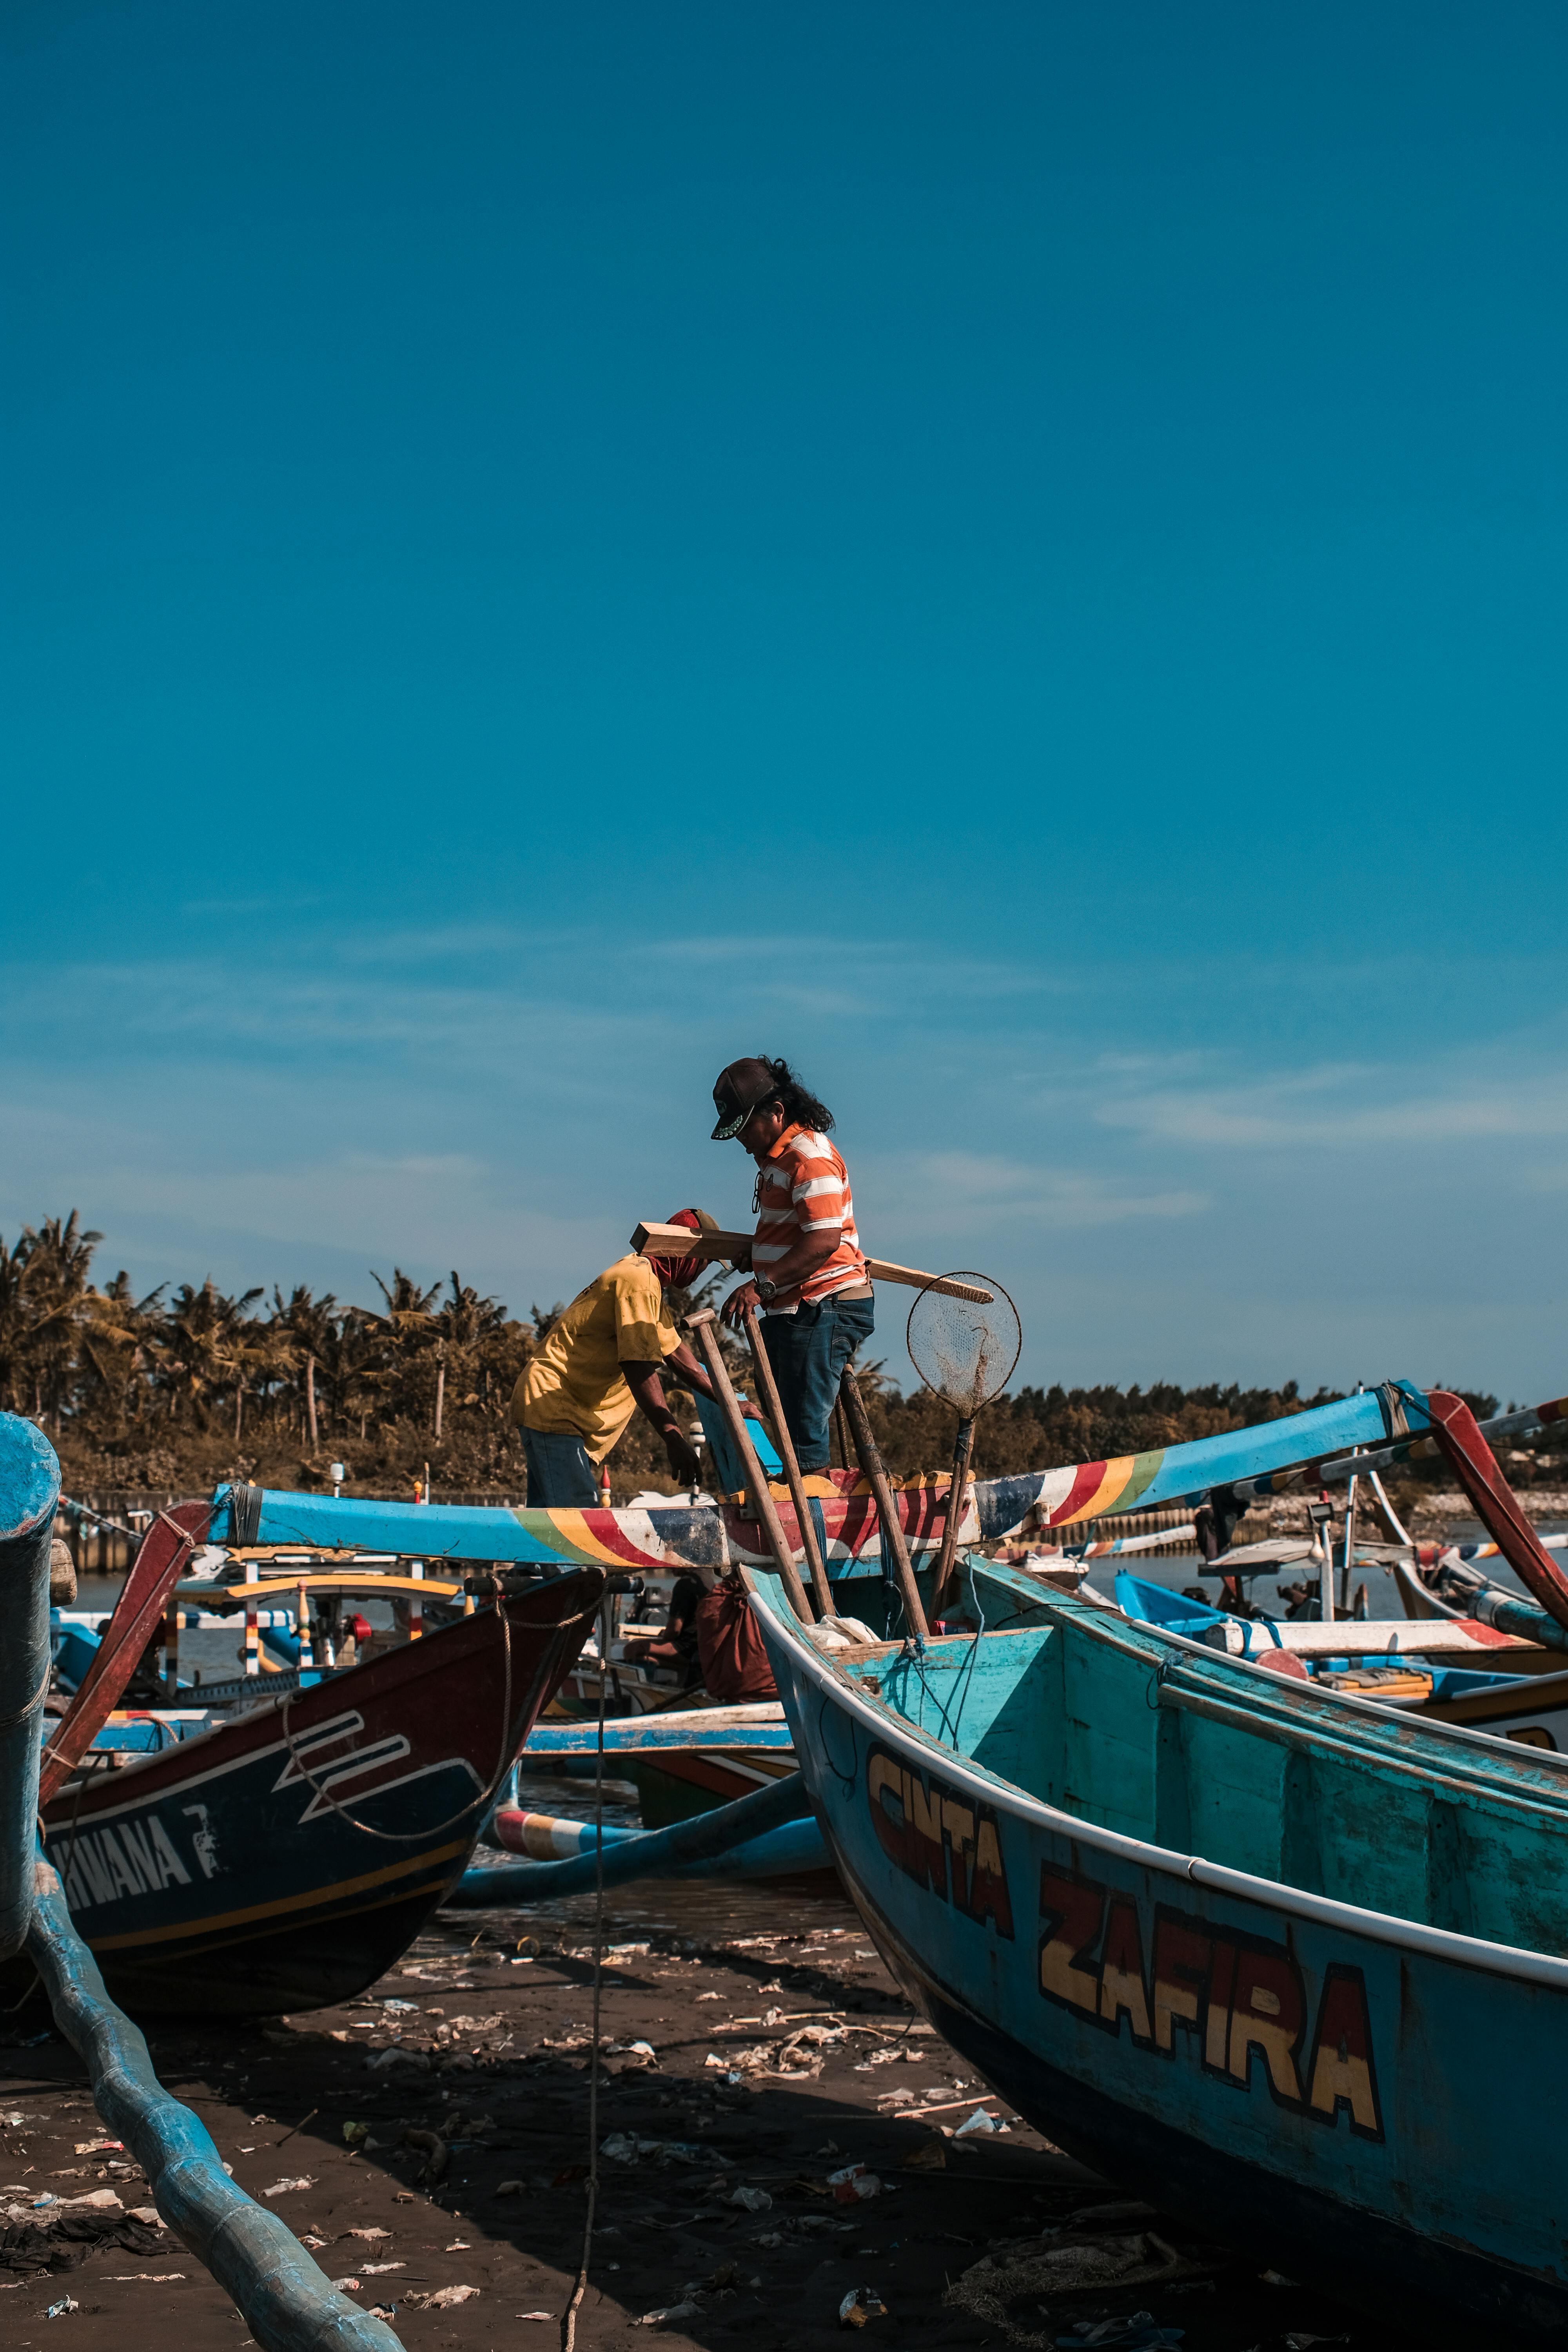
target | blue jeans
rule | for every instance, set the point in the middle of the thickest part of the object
(808, 1351)
(560, 1471)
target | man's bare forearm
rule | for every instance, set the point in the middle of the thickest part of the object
(643, 1381)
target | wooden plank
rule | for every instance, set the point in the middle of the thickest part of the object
(679, 1241)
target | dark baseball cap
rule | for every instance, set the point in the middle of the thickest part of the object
(737, 1092)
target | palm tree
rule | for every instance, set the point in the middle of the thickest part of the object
(43, 1283)
(408, 1336)
(207, 1346)
(306, 1329)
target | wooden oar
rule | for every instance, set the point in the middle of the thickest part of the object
(679, 1241)
(768, 1387)
(704, 1328)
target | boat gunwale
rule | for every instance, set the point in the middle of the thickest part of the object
(1374, 1711)
(1473, 1952)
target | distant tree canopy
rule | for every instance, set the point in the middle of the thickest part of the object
(189, 1384)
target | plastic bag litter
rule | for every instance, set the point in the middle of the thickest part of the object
(287, 2188)
(668, 2314)
(863, 2302)
(443, 2298)
(754, 2200)
(979, 2122)
(58, 2310)
(625, 2147)
(852, 2184)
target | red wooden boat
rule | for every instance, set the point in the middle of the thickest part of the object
(286, 1858)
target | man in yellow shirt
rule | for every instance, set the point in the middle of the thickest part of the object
(601, 1362)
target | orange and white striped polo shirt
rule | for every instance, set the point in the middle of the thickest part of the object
(803, 1187)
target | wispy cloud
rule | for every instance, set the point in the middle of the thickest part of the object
(1346, 1107)
(981, 1188)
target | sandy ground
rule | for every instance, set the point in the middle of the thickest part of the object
(494, 2079)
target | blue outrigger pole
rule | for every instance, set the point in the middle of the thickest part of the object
(283, 2296)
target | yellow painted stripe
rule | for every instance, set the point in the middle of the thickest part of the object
(252, 1912)
(573, 1529)
(248, 1594)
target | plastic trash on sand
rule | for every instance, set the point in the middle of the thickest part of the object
(853, 2184)
(980, 2122)
(754, 2200)
(862, 2302)
(625, 2147)
(669, 2314)
(1138, 2333)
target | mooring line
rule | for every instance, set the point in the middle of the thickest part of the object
(569, 2316)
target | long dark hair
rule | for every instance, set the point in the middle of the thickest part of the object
(800, 1104)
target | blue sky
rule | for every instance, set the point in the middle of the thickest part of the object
(1014, 555)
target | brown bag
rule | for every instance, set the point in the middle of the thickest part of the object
(734, 1657)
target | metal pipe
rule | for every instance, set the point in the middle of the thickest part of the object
(29, 1490)
(283, 2296)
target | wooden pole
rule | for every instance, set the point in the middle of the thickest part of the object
(961, 1452)
(704, 1328)
(892, 1533)
(767, 1388)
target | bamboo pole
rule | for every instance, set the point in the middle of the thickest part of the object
(892, 1533)
(704, 1328)
(963, 1446)
(768, 1389)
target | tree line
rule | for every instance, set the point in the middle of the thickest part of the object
(192, 1383)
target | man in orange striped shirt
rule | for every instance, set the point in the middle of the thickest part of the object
(808, 1270)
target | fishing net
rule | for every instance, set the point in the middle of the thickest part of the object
(965, 1350)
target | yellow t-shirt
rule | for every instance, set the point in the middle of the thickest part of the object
(574, 1385)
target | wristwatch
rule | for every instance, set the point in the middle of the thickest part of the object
(764, 1288)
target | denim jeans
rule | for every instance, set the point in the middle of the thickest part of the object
(560, 1471)
(808, 1351)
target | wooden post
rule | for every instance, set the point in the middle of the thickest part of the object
(892, 1533)
(944, 1558)
(767, 1388)
(172, 1647)
(704, 1328)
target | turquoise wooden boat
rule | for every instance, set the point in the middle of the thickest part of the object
(1280, 1961)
